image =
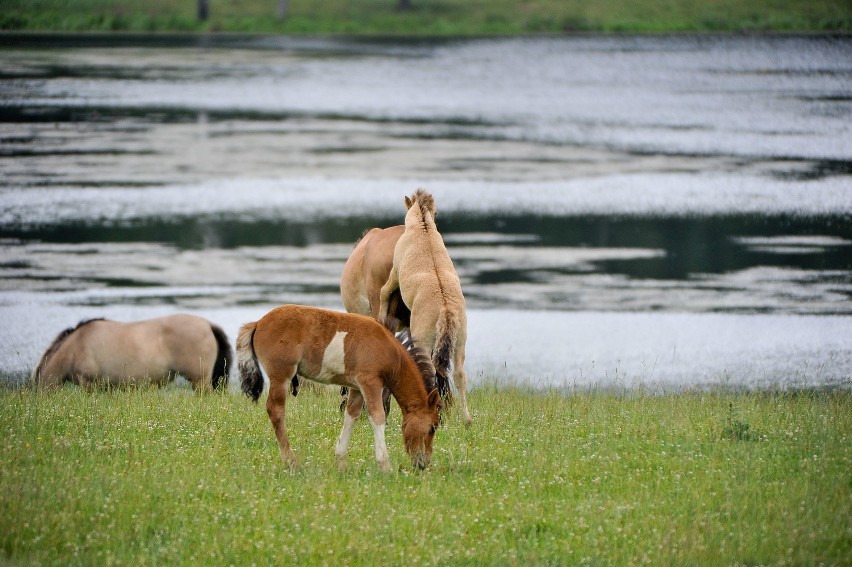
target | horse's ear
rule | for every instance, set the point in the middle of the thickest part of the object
(408, 202)
(435, 399)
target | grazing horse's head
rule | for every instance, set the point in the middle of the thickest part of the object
(418, 431)
(420, 424)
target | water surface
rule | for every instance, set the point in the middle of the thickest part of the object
(656, 210)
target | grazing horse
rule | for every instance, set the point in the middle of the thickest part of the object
(103, 352)
(347, 350)
(425, 276)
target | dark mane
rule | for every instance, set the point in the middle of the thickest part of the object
(421, 359)
(58, 341)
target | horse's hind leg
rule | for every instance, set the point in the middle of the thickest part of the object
(276, 406)
(354, 406)
(460, 380)
(200, 382)
(197, 374)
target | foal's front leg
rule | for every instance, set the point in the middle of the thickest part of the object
(350, 415)
(276, 406)
(376, 413)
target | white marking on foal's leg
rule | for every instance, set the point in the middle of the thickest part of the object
(343, 441)
(382, 455)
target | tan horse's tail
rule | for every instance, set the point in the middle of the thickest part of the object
(224, 357)
(442, 354)
(251, 378)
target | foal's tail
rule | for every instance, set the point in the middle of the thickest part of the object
(224, 357)
(442, 354)
(251, 376)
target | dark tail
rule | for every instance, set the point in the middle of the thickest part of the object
(223, 358)
(251, 378)
(442, 354)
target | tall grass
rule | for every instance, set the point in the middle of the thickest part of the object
(428, 17)
(168, 477)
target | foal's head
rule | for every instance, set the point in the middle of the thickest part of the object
(419, 425)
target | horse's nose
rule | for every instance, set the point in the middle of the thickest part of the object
(421, 461)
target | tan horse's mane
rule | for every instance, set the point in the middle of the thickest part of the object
(54, 346)
(424, 200)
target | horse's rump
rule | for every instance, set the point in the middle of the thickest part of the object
(367, 270)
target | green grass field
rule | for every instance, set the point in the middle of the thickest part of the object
(429, 17)
(154, 477)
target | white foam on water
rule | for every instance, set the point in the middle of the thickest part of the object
(303, 199)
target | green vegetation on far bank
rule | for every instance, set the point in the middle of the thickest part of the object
(427, 17)
(168, 477)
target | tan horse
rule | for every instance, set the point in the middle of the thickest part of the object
(347, 350)
(425, 276)
(103, 352)
(367, 270)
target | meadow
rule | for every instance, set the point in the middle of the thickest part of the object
(151, 477)
(428, 17)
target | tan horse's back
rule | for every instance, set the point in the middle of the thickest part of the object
(153, 350)
(427, 280)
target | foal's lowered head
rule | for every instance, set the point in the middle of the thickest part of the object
(420, 424)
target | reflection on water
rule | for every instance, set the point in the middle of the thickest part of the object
(732, 263)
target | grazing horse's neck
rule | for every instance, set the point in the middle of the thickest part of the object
(409, 390)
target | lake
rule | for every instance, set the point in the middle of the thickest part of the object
(660, 212)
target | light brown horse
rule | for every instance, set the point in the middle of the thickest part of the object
(364, 274)
(103, 352)
(367, 270)
(425, 276)
(347, 350)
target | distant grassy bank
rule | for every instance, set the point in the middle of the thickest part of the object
(148, 477)
(428, 17)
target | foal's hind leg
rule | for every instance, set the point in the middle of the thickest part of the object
(353, 409)
(276, 406)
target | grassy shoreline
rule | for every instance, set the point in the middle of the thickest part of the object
(428, 17)
(167, 477)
